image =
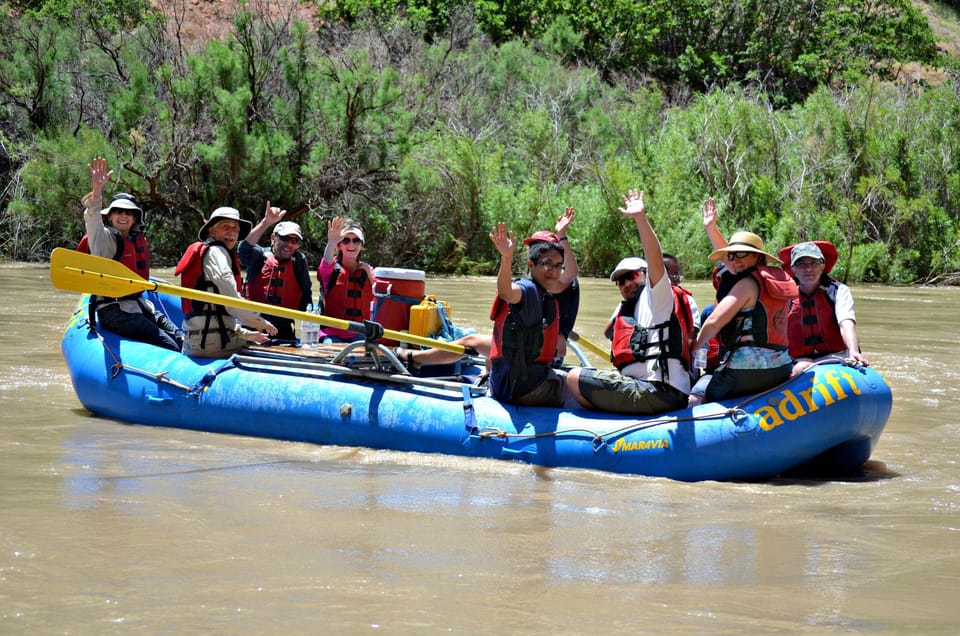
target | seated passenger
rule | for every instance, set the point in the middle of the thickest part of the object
(211, 265)
(749, 316)
(568, 300)
(277, 275)
(116, 232)
(526, 328)
(822, 322)
(648, 342)
(685, 308)
(346, 282)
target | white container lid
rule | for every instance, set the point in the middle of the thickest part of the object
(396, 273)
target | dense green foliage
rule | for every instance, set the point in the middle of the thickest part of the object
(430, 140)
(786, 47)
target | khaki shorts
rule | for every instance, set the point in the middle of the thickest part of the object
(193, 337)
(612, 391)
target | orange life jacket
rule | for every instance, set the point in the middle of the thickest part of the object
(813, 327)
(275, 284)
(347, 296)
(765, 325)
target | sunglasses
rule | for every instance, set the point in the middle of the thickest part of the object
(626, 276)
(348, 240)
(733, 255)
(290, 239)
(123, 211)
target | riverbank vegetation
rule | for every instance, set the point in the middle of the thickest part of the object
(430, 121)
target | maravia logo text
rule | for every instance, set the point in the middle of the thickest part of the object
(793, 405)
(623, 445)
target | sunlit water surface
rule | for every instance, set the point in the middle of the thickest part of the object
(111, 528)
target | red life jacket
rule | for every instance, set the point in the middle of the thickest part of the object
(684, 315)
(632, 343)
(525, 345)
(347, 296)
(134, 254)
(813, 327)
(190, 271)
(275, 284)
(767, 321)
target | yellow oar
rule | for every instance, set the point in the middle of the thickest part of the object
(594, 348)
(85, 273)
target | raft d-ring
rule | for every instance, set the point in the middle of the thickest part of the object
(599, 444)
(115, 370)
(739, 416)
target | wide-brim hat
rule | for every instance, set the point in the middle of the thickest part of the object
(543, 236)
(744, 242)
(225, 214)
(629, 264)
(123, 202)
(288, 228)
(827, 251)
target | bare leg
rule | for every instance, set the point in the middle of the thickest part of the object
(475, 342)
(573, 387)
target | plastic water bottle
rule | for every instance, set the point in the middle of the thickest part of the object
(700, 359)
(309, 331)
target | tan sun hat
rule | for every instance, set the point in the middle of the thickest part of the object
(744, 242)
(225, 214)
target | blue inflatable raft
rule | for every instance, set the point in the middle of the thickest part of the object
(830, 417)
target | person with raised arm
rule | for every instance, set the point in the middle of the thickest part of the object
(346, 282)
(276, 275)
(749, 317)
(116, 232)
(647, 347)
(526, 324)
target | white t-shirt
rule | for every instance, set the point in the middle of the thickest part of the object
(844, 304)
(654, 307)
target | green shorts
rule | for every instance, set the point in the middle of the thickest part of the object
(612, 391)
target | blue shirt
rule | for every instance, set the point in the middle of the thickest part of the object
(526, 313)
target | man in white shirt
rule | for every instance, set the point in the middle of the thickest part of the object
(648, 380)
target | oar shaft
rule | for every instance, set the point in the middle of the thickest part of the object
(594, 348)
(76, 271)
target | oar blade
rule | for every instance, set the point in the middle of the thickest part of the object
(85, 273)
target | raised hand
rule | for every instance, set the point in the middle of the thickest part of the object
(709, 209)
(502, 239)
(633, 203)
(334, 227)
(273, 214)
(99, 175)
(564, 221)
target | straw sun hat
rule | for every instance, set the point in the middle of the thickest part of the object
(744, 242)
